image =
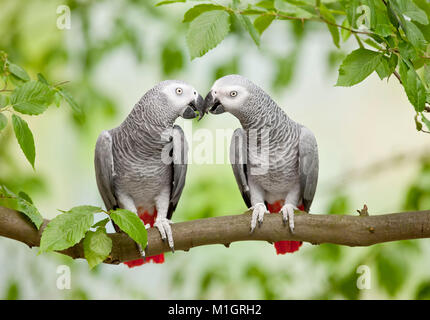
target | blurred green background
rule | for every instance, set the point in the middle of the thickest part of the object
(114, 52)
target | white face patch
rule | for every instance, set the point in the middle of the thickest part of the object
(232, 97)
(180, 95)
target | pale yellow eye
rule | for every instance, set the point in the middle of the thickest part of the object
(178, 91)
(233, 94)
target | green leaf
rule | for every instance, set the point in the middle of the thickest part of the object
(97, 247)
(289, 9)
(414, 87)
(427, 74)
(425, 121)
(266, 4)
(207, 31)
(411, 10)
(18, 72)
(67, 229)
(345, 33)
(387, 66)
(197, 10)
(3, 121)
(31, 98)
(247, 24)
(42, 79)
(10, 200)
(383, 25)
(357, 66)
(25, 138)
(414, 35)
(333, 29)
(130, 223)
(168, 2)
(263, 22)
(101, 223)
(72, 103)
(57, 99)
(25, 196)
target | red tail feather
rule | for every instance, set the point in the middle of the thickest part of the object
(146, 218)
(282, 247)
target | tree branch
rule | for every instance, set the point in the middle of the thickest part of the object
(337, 229)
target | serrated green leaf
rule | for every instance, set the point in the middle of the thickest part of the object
(197, 10)
(289, 9)
(411, 10)
(386, 67)
(414, 35)
(32, 98)
(247, 24)
(25, 138)
(3, 121)
(357, 66)
(130, 223)
(413, 85)
(72, 103)
(18, 72)
(263, 22)
(207, 31)
(162, 3)
(97, 247)
(67, 229)
(10, 200)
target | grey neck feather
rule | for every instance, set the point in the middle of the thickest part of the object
(261, 112)
(153, 113)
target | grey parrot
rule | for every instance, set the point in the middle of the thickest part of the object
(274, 159)
(141, 165)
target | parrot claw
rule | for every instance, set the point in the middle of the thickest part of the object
(288, 215)
(259, 209)
(163, 226)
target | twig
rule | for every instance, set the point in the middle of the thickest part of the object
(338, 229)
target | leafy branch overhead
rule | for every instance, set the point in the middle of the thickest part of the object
(19, 94)
(392, 36)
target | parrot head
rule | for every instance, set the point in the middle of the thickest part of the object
(183, 98)
(230, 93)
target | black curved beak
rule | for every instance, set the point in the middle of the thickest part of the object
(212, 104)
(194, 106)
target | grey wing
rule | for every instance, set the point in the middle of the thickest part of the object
(179, 168)
(308, 166)
(103, 163)
(238, 160)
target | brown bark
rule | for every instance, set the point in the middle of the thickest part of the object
(314, 228)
